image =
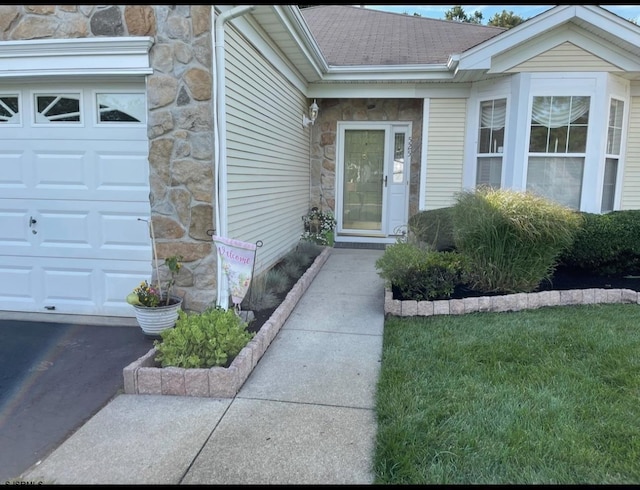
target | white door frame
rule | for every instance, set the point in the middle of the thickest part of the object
(395, 197)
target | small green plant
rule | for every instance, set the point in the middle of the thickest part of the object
(318, 227)
(420, 273)
(203, 340)
(148, 294)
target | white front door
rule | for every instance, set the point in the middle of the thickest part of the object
(74, 181)
(372, 180)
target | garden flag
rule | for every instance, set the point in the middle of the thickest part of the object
(237, 260)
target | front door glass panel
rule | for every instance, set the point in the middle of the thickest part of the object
(364, 178)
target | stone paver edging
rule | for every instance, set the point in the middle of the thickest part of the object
(507, 302)
(143, 377)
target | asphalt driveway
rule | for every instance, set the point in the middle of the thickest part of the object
(53, 378)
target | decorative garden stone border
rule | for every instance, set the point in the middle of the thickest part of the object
(507, 302)
(142, 377)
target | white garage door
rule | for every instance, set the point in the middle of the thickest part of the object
(74, 184)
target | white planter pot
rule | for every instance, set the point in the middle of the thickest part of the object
(154, 320)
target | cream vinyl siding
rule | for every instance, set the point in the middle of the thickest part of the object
(445, 151)
(566, 57)
(267, 154)
(631, 180)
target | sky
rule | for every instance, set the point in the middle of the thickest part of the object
(524, 11)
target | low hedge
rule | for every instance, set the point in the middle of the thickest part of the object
(606, 244)
(420, 273)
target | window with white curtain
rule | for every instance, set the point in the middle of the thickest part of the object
(491, 142)
(557, 146)
(614, 141)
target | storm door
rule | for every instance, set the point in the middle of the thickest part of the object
(372, 179)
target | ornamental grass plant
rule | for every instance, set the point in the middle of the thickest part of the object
(546, 396)
(513, 239)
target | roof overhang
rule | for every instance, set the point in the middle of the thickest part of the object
(285, 25)
(593, 28)
(584, 25)
(289, 34)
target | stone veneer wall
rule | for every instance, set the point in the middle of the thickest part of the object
(180, 121)
(323, 144)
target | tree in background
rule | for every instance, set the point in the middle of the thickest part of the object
(505, 19)
(458, 14)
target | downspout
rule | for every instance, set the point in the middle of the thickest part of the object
(220, 138)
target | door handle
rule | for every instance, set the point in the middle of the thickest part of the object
(32, 222)
(385, 181)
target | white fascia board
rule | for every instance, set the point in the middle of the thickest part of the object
(388, 90)
(480, 57)
(77, 56)
(589, 42)
(373, 73)
(297, 27)
(610, 23)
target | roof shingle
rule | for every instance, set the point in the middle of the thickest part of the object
(352, 36)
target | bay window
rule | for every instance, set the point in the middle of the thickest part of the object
(557, 147)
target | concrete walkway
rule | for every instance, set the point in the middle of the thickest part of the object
(305, 415)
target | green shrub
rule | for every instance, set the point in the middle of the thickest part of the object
(434, 228)
(203, 340)
(513, 239)
(419, 273)
(606, 244)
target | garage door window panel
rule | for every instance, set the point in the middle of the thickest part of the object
(58, 108)
(121, 108)
(9, 109)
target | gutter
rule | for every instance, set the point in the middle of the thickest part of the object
(220, 137)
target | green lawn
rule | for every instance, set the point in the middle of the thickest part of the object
(548, 396)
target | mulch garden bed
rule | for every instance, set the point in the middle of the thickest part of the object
(563, 279)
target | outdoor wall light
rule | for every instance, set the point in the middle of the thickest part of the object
(313, 114)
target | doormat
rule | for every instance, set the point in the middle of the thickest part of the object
(370, 246)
